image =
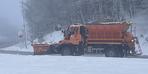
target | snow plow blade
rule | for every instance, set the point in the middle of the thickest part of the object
(40, 49)
(44, 49)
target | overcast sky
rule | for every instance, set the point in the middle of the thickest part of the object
(11, 10)
(10, 19)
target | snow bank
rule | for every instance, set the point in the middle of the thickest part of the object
(17, 47)
(54, 37)
(16, 64)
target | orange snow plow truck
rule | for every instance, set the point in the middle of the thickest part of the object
(113, 39)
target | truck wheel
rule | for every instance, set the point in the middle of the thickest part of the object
(114, 52)
(120, 53)
(79, 52)
(50, 50)
(66, 51)
(110, 53)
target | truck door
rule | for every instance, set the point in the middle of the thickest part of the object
(75, 37)
(84, 33)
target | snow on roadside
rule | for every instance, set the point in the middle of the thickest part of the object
(17, 64)
(17, 47)
(51, 38)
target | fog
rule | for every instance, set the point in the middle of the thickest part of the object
(10, 21)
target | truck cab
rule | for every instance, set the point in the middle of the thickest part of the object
(75, 37)
(75, 34)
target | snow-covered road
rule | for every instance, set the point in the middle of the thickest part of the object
(21, 64)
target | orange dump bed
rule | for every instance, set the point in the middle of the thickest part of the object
(106, 33)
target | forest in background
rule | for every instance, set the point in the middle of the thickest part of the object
(42, 16)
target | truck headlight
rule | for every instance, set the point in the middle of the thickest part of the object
(132, 40)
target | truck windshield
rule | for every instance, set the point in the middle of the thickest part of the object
(73, 30)
(70, 30)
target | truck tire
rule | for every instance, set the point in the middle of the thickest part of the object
(50, 50)
(110, 53)
(79, 52)
(114, 52)
(66, 51)
(120, 52)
